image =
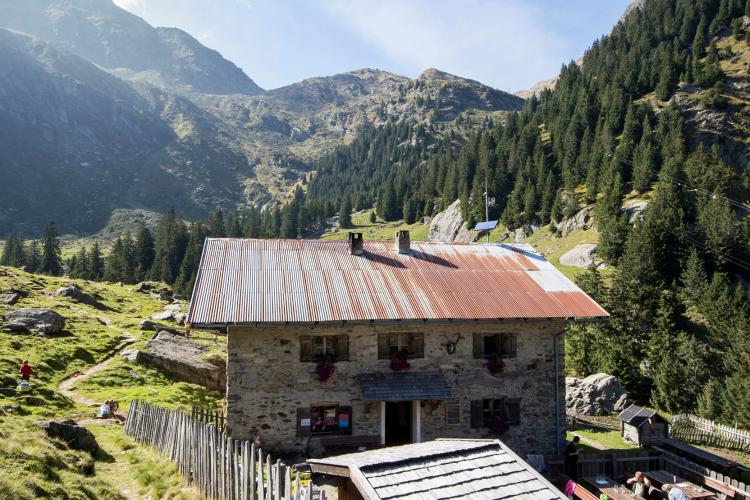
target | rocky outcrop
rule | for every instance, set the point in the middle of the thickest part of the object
(34, 320)
(148, 325)
(448, 226)
(583, 256)
(9, 298)
(597, 394)
(183, 359)
(581, 221)
(74, 435)
(634, 208)
(75, 294)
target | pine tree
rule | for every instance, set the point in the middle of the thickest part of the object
(693, 279)
(143, 252)
(96, 269)
(33, 255)
(612, 222)
(189, 267)
(50, 262)
(709, 401)
(169, 247)
(13, 252)
(216, 227)
(345, 213)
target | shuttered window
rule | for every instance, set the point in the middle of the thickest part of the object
(312, 346)
(452, 413)
(485, 412)
(502, 345)
(391, 343)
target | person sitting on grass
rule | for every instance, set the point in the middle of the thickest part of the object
(26, 371)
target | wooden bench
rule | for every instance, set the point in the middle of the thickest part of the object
(709, 482)
(348, 442)
(580, 492)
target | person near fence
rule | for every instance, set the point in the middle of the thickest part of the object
(640, 485)
(673, 492)
(571, 458)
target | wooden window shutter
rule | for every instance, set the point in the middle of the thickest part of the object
(342, 348)
(513, 412)
(345, 419)
(477, 414)
(306, 348)
(508, 345)
(384, 346)
(303, 421)
(418, 345)
(478, 345)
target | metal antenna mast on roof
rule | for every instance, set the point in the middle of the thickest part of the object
(488, 225)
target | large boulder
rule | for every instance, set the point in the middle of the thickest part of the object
(9, 298)
(183, 359)
(581, 221)
(597, 394)
(77, 295)
(448, 226)
(583, 256)
(148, 325)
(34, 320)
(74, 435)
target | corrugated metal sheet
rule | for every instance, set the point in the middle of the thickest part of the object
(289, 281)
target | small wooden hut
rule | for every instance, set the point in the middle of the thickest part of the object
(642, 425)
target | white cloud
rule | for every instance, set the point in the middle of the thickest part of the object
(137, 7)
(498, 42)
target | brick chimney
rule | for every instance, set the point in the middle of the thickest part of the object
(356, 244)
(403, 242)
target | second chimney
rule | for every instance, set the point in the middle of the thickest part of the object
(403, 242)
(356, 244)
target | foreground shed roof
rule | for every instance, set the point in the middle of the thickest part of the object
(445, 468)
(249, 281)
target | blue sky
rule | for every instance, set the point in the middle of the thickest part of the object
(509, 44)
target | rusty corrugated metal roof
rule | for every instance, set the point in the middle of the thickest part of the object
(247, 281)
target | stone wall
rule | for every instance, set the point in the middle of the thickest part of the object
(267, 382)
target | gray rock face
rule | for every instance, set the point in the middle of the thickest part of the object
(581, 256)
(76, 294)
(34, 320)
(597, 394)
(448, 226)
(164, 316)
(76, 436)
(182, 358)
(9, 298)
(148, 325)
(581, 221)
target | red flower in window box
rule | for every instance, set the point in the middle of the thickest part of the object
(495, 365)
(400, 361)
(325, 367)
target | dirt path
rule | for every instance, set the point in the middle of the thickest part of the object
(66, 386)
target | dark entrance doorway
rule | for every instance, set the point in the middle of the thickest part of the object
(397, 422)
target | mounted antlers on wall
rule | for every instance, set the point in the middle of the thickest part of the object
(450, 345)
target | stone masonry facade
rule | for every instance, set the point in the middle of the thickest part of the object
(267, 382)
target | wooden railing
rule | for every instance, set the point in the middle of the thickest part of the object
(219, 466)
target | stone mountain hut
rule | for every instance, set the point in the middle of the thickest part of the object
(642, 426)
(335, 345)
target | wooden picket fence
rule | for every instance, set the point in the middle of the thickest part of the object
(219, 466)
(705, 432)
(209, 416)
(675, 464)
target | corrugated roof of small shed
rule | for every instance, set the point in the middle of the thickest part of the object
(636, 415)
(445, 468)
(247, 281)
